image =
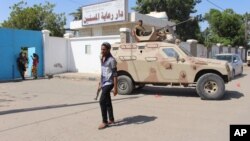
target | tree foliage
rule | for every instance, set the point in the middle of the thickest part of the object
(225, 27)
(37, 17)
(77, 14)
(177, 11)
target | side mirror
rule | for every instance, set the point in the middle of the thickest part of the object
(235, 61)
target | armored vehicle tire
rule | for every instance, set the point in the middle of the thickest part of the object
(210, 87)
(125, 85)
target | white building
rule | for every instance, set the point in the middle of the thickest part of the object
(104, 19)
(101, 23)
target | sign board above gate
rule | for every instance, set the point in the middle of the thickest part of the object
(106, 12)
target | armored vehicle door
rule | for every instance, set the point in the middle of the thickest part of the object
(146, 62)
(124, 57)
(170, 68)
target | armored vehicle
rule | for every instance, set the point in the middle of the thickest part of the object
(156, 60)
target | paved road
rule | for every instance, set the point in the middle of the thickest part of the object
(64, 110)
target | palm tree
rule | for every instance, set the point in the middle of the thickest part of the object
(77, 15)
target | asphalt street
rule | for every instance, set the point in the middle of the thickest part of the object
(65, 110)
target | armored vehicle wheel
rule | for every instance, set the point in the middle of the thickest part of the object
(210, 87)
(125, 85)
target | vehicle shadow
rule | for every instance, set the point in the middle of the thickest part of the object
(165, 91)
(239, 76)
(229, 95)
(182, 92)
(140, 119)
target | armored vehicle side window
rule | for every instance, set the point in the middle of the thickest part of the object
(235, 59)
(170, 52)
(238, 58)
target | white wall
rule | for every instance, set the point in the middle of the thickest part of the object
(215, 50)
(97, 31)
(149, 20)
(233, 50)
(68, 54)
(55, 55)
(243, 54)
(225, 50)
(87, 63)
(76, 24)
(201, 51)
(185, 45)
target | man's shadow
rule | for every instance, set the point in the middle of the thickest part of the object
(140, 119)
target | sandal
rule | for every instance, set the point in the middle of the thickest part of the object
(102, 126)
(111, 122)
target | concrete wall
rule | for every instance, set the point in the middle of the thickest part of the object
(225, 50)
(214, 50)
(201, 51)
(55, 54)
(243, 54)
(11, 42)
(185, 45)
(79, 60)
(233, 50)
(83, 54)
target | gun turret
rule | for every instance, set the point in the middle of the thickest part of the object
(166, 33)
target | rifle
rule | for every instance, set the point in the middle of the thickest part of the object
(97, 93)
(170, 28)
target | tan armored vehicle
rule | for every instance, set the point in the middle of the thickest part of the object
(155, 60)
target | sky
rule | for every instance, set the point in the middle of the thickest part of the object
(68, 6)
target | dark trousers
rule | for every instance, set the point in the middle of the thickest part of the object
(106, 105)
(22, 73)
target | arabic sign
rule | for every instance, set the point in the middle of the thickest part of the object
(112, 11)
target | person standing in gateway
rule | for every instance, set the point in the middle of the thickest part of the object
(107, 83)
(21, 64)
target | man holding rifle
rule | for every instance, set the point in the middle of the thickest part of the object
(108, 82)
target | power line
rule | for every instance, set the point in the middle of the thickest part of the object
(215, 5)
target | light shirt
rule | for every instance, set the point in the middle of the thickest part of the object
(109, 71)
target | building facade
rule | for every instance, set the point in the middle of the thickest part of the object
(102, 23)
